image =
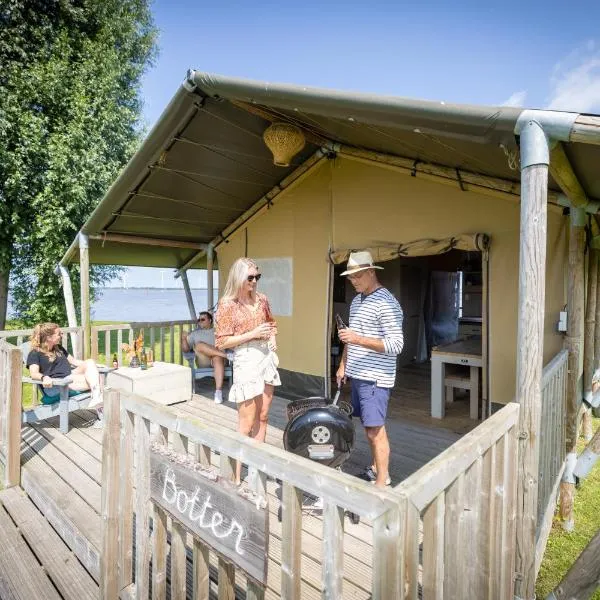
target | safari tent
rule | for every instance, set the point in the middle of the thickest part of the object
(484, 219)
(403, 177)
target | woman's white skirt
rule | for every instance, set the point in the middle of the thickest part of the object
(254, 365)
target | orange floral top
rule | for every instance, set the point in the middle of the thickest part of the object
(235, 318)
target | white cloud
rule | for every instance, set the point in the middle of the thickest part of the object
(516, 99)
(575, 81)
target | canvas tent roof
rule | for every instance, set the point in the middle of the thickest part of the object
(204, 164)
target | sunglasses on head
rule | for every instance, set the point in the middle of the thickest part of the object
(252, 278)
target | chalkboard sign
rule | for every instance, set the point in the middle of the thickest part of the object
(232, 525)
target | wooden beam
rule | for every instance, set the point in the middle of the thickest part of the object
(210, 255)
(474, 182)
(562, 172)
(586, 130)
(146, 241)
(530, 342)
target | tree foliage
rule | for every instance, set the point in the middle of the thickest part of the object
(70, 107)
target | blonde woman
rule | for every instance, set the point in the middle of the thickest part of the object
(244, 323)
(48, 359)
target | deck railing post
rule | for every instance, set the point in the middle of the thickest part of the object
(589, 342)
(109, 561)
(574, 344)
(11, 421)
(535, 158)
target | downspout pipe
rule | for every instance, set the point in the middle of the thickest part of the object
(557, 126)
(592, 207)
(63, 273)
(69, 254)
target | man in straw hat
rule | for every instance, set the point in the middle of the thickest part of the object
(371, 344)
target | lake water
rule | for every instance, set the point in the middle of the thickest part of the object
(144, 304)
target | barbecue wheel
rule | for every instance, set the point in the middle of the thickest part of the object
(321, 434)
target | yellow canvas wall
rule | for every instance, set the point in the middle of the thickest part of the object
(298, 226)
(370, 206)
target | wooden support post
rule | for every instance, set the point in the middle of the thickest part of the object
(143, 542)
(210, 259)
(70, 306)
(226, 569)
(84, 268)
(188, 295)
(589, 342)
(574, 344)
(109, 564)
(597, 322)
(532, 275)
(11, 420)
(583, 578)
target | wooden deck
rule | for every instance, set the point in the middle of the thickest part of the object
(62, 476)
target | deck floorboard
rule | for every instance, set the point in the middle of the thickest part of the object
(61, 566)
(22, 577)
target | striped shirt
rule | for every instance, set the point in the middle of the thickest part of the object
(377, 315)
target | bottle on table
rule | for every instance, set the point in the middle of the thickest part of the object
(143, 360)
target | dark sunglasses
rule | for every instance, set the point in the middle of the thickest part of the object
(252, 278)
(202, 319)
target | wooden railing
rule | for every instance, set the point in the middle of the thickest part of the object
(552, 445)
(190, 446)
(73, 342)
(10, 413)
(463, 502)
(164, 337)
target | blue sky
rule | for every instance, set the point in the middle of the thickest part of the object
(535, 54)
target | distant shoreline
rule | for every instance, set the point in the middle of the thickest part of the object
(132, 287)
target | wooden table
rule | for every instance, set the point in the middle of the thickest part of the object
(165, 383)
(465, 352)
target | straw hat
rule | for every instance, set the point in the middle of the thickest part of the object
(359, 261)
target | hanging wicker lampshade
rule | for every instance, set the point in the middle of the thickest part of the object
(284, 141)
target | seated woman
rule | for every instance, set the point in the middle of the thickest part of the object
(48, 359)
(202, 342)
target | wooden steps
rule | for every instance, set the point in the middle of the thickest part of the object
(34, 561)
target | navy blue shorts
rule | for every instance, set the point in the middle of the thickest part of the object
(369, 402)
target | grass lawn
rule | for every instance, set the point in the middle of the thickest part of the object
(563, 548)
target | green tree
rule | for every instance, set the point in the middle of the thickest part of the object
(70, 107)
